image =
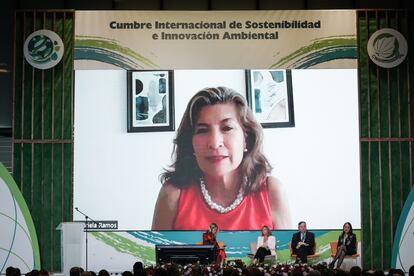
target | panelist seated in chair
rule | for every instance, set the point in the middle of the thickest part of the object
(266, 244)
(303, 243)
(347, 245)
(209, 237)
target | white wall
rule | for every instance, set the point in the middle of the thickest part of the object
(116, 173)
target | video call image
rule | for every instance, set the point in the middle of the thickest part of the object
(242, 148)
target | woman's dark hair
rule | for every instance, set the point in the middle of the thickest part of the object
(350, 229)
(269, 233)
(211, 227)
(185, 170)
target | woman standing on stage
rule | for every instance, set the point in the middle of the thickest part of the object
(209, 237)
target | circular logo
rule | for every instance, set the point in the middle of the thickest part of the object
(387, 48)
(43, 49)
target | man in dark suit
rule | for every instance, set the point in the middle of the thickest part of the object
(303, 243)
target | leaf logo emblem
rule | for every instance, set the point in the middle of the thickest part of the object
(387, 48)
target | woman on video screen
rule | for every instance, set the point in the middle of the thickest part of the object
(220, 172)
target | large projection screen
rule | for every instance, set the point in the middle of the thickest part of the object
(116, 173)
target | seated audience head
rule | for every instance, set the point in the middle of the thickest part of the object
(314, 273)
(367, 272)
(355, 271)
(341, 272)
(9, 270)
(76, 271)
(127, 273)
(254, 271)
(160, 271)
(302, 226)
(103, 272)
(296, 272)
(138, 268)
(391, 271)
(411, 271)
(34, 272)
(266, 231)
(379, 273)
(396, 272)
(12, 271)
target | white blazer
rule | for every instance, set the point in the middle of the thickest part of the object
(271, 243)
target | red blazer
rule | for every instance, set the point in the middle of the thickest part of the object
(208, 238)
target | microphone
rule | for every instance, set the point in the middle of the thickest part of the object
(80, 212)
(85, 215)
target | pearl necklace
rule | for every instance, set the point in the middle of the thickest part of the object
(215, 206)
